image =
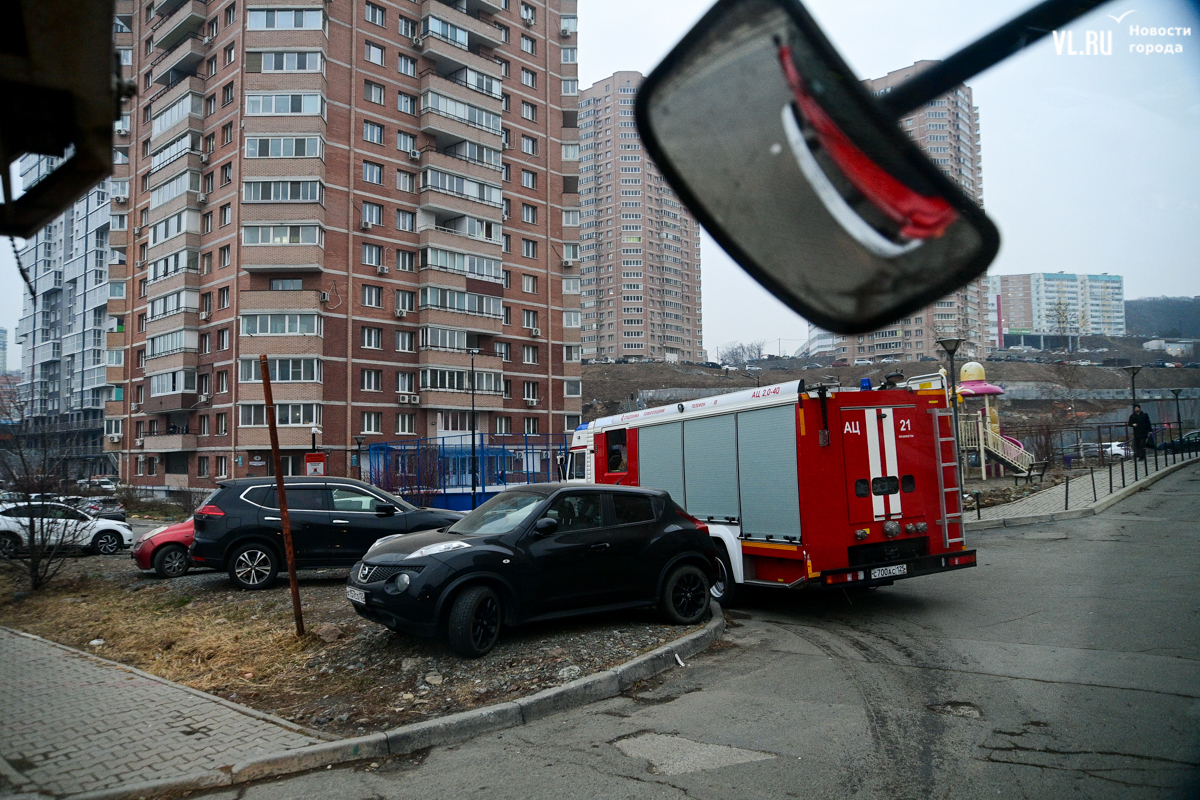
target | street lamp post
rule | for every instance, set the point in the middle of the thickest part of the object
(1133, 371)
(951, 345)
(358, 440)
(473, 434)
(1178, 416)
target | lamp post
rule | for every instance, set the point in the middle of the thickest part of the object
(951, 345)
(358, 440)
(1178, 416)
(473, 469)
(1133, 371)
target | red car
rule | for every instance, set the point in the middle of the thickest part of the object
(165, 549)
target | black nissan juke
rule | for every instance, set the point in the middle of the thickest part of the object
(538, 552)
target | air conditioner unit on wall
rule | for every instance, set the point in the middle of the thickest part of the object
(324, 297)
(204, 158)
(402, 399)
(139, 442)
(134, 406)
(201, 198)
(535, 331)
(381, 270)
(531, 402)
(565, 32)
(367, 225)
(414, 399)
(201, 398)
(418, 42)
(415, 155)
(568, 262)
(205, 315)
(114, 437)
(401, 313)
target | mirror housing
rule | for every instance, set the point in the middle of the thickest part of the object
(545, 526)
(385, 510)
(803, 176)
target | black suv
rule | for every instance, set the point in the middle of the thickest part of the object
(334, 522)
(537, 552)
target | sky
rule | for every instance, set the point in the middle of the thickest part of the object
(1090, 164)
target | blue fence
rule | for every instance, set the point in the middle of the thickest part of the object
(437, 471)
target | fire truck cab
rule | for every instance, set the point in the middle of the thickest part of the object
(799, 486)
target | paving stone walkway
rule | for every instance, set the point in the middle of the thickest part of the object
(1081, 494)
(71, 723)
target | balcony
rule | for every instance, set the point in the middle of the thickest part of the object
(448, 238)
(177, 21)
(282, 258)
(453, 129)
(444, 202)
(462, 320)
(182, 59)
(450, 57)
(174, 321)
(177, 359)
(468, 168)
(257, 300)
(170, 443)
(183, 279)
(290, 437)
(459, 90)
(170, 403)
(115, 340)
(478, 31)
(460, 359)
(183, 84)
(459, 400)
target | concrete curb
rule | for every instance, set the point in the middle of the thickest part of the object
(1095, 508)
(431, 733)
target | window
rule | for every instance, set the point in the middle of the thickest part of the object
(529, 319)
(571, 319)
(528, 179)
(372, 296)
(227, 93)
(226, 214)
(372, 172)
(405, 181)
(504, 350)
(286, 147)
(528, 213)
(372, 213)
(227, 133)
(230, 14)
(570, 86)
(406, 142)
(373, 132)
(531, 424)
(223, 339)
(405, 300)
(205, 422)
(405, 260)
(223, 381)
(254, 415)
(529, 78)
(406, 103)
(202, 466)
(285, 61)
(222, 464)
(286, 284)
(283, 370)
(572, 387)
(373, 53)
(528, 14)
(373, 92)
(404, 383)
(277, 235)
(212, 67)
(223, 297)
(570, 55)
(372, 380)
(283, 191)
(286, 19)
(226, 174)
(223, 256)
(375, 14)
(528, 45)
(406, 423)
(528, 248)
(277, 324)
(503, 425)
(528, 110)
(407, 66)
(529, 145)
(569, 23)
(276, 104)
(408, 28)
(406, 220)
(406, 342)
(571, 352)
(570, 152)
(372, 338)
(529, 354)
(529, 284)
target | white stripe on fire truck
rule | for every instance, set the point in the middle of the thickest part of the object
(871, 428)
(889, 456)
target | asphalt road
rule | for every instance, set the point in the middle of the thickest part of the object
(1064, 666)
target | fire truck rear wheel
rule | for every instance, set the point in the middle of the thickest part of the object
(724, 590)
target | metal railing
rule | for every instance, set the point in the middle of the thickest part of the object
(993, 443)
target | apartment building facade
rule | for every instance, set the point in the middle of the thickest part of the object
(61, 335)
(947, 130)
(1057, 303)
(377, 195)
(640, 247)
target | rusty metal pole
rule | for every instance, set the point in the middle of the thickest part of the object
(281, 494)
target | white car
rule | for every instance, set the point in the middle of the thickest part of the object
(862, 362)
(60, 523)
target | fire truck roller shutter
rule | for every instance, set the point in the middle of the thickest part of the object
(660, 459)
(768, 480)
(710, 466)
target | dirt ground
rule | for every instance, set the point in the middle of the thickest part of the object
(200, 631)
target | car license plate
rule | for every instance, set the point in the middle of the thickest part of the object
(356, 596)
(881, 572)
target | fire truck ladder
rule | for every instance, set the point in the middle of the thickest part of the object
(948, 517)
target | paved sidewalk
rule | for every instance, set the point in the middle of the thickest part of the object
(1054, 499)
(71, 723)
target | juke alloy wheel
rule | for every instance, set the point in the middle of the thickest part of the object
(685, 595)
(253, 566)
(474, 624)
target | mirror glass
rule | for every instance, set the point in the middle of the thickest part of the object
(801, 176)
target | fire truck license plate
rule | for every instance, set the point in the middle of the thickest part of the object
(882, 572)
(356, 596)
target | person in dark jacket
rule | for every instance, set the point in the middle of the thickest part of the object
(1139, 422)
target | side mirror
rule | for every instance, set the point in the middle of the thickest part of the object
(545, 526)
(385, 510)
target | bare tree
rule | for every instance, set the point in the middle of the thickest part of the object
(1064, 321)
(417, 476)
(742, 352)
(36, 534)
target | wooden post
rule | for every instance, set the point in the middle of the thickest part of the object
(281, 494)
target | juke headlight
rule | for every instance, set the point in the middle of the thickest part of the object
(434, 549)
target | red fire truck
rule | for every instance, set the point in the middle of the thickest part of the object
(799, 486)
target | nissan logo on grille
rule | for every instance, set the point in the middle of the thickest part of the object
(364, 573)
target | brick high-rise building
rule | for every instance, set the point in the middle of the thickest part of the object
(641, 247)
(947, 130)
(365, 191)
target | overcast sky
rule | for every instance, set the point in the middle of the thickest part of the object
(1090, 164)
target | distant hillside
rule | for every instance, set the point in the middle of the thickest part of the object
(1163, 316)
